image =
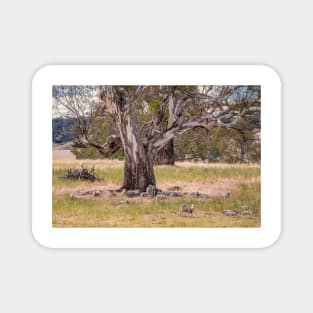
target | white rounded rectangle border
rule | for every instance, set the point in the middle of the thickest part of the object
(49, 236)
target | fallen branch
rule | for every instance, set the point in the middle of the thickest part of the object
(82, 173)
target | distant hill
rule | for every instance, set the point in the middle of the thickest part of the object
(62, 129)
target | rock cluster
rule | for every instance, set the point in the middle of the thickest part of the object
(244, 211)
(150, 192)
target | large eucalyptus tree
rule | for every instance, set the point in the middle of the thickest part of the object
(173, 110)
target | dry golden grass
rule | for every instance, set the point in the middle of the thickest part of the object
(101, 164)
(214, 165)
(59, 162)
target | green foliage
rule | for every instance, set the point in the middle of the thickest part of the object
(232, 146)
(192, 145)
(154, 105)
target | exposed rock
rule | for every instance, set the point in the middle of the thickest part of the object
(124, 202)
(151, 190)
(203, 196)
(186, 194)
(174, 194)
(231, 212)
(132, 193)
(195, 194)
(96, 193)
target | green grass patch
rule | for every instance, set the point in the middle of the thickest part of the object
(108, 212)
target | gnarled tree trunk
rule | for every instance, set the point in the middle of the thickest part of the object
(138, 168)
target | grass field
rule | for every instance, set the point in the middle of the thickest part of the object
(243, 181)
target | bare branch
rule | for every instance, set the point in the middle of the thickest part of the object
(203, 121)
(112, 145)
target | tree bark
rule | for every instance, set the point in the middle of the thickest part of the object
(138, 168)
(209, 144)
(166, 155)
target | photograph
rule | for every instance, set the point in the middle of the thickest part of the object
(156, 156)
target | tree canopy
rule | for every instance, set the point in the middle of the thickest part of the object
(145, 119)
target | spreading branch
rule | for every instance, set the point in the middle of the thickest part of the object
(112, 145)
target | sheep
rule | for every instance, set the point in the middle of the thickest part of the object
(186, 208)
(225, 195)
(230, 212)
(161, 196)
(245, 210)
